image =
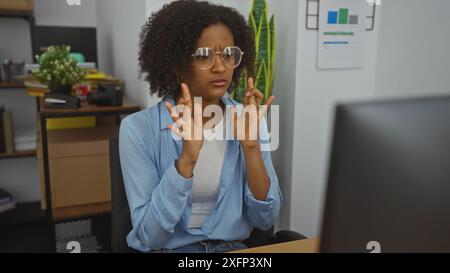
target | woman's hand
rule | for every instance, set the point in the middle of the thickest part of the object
(249, 136)
(187, 125)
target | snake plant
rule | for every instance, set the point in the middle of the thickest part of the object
(264, 33)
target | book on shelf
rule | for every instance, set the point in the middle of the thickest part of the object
(5, 196)
(6, 131)
(7, 206)
(7, 202)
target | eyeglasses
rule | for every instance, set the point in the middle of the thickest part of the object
(205, 57)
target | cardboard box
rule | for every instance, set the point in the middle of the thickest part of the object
(79, 171)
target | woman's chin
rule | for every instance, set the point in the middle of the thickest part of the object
(215, 93)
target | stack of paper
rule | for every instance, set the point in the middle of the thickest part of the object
(25, 140)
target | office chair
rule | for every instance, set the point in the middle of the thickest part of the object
(121, 219)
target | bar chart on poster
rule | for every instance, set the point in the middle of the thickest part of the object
(341, 34)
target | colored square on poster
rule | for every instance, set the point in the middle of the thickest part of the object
(332, 17)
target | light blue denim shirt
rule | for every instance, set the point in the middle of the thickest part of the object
(160, 198)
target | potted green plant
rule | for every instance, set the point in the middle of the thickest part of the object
(264, 33)
(58, 70)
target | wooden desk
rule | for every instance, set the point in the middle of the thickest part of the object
(300, 246)
(87, 109)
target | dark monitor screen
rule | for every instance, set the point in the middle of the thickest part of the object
(80, 39)
(389, 178)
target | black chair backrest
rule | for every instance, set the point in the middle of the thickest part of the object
(120, 211)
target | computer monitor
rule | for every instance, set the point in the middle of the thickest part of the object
(80, 39)
(389, 178)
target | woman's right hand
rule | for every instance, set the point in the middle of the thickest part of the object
(187, 125)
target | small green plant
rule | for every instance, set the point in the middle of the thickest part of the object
(264, 33)
(57, 68)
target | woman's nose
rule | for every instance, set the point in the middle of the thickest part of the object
(219, 66)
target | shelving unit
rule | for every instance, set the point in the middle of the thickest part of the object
(17, 154)
(27, 217)
(5, 85)
(18, 9)
(30, 153)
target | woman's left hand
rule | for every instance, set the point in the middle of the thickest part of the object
(249, 136)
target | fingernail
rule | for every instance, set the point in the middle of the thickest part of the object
(249, 94)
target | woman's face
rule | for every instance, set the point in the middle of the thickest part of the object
(211, 83)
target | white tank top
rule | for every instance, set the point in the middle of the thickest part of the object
(206, 179)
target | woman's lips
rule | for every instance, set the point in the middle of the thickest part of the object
(219, 83)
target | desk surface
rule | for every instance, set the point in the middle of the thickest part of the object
(300, 246)
(86, 109)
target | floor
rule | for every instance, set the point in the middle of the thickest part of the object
(28, 231)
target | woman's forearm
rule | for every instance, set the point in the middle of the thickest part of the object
(258, 180)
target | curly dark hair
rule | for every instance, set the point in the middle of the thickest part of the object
(169, 37)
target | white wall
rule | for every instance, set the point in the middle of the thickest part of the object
(16, 39)
(413, 53)
(119, 25)
(316, 93)
(59, 13)
(286, 28)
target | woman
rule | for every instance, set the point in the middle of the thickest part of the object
(195, 195)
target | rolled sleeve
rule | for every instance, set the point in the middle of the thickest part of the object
(261, 205)
(263, 213)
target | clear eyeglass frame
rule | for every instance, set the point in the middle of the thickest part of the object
(202, 57)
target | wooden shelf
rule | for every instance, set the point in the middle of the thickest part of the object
(30, 153)
(87, 109)
(6, 85)
(15, 13)
(16, 8)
